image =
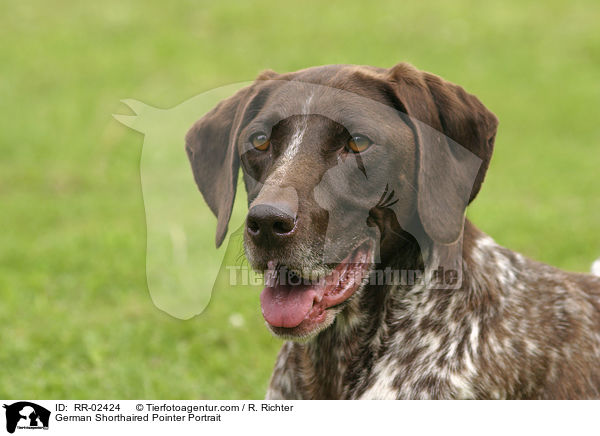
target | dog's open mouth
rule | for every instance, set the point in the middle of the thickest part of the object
(289, 302)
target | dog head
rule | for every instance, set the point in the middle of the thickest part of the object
(345, 167)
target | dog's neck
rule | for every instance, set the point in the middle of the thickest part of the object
(339, 356)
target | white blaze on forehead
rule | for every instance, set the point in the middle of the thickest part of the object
(284, 164)
(301, 126)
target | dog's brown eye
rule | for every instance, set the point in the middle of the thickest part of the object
(260, 141)
(359, 143)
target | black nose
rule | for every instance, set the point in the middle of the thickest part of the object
(268, 224)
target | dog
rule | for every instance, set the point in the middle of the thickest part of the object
(356, 171)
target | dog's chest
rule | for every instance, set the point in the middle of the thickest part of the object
(409, 358)
(386, 378)
(418, 374)
(515, 329)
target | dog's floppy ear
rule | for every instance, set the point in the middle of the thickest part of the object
(452, 165)
(211, 148)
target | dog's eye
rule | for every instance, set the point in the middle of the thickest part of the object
(359, 143)
(260, 141)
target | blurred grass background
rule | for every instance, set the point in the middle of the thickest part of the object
(75, 314)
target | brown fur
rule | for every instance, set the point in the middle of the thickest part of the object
(512, 328)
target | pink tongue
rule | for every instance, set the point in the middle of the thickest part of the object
(286, 305)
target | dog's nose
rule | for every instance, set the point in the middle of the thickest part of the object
(266, 222)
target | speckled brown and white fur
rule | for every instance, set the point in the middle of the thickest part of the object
(516, 329)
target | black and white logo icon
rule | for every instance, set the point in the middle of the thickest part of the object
(26, 415)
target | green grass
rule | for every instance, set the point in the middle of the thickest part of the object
(75, 313)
